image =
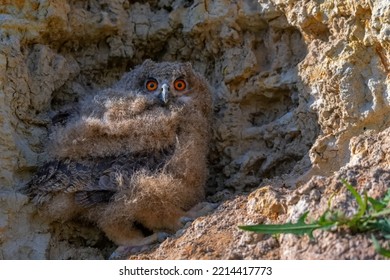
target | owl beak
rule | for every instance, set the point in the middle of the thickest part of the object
(164, 93)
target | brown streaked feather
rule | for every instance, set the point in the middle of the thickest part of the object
(91, 198)
(94, 179)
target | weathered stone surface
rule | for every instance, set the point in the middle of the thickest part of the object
(368, 170)
(301, 90)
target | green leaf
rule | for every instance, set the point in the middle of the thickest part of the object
(362, 202)
(330, 218)
(354, 192)
(382, 225)
(386, 198)
(384, 212)
(299, 228)
(379, 249)
(377, 204)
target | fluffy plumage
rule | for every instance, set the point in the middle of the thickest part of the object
(132, 159)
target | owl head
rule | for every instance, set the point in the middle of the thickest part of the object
(168, 84)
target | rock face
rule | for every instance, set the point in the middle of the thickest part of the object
(301, 99)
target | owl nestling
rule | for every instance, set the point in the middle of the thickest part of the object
(132, 159)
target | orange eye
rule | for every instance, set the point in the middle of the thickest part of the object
(151, 85)
(180, 84)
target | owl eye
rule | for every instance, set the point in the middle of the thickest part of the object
(151, 85)
(180, 84)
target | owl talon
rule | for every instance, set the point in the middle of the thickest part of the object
(124, 251)
(145, 244)
(202, 209)
(161, 236)
(185, 220)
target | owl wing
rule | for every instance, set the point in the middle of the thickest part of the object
(92, 181)
(70, 177)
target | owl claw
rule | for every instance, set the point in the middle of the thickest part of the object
(161, 236)
(124, 251)
(198, 210)
(185, 220)
(202, 209)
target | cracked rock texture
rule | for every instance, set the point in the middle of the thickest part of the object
(301, 99)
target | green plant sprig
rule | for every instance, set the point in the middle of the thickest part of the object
(372, 215)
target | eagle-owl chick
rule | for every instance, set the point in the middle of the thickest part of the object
(132, 159)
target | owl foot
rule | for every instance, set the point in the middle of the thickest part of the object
(184, 220)
(145, 244)
(201, 209)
